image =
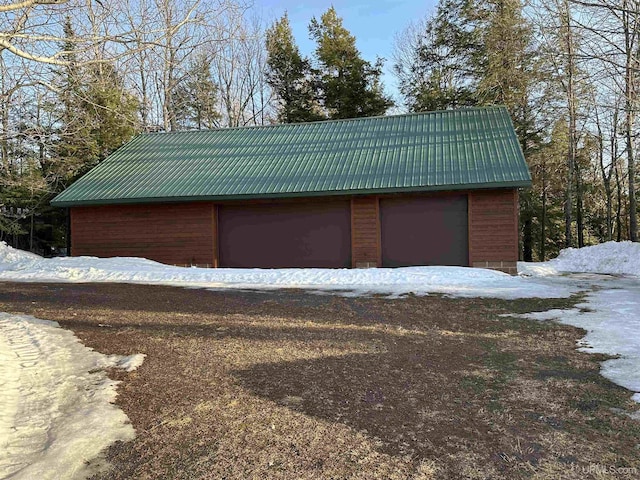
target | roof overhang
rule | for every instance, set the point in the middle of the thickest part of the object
(283, 195)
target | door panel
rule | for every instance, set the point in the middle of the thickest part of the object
(285, 235)
(424, 231)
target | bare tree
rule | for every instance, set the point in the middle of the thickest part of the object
(238, 68)
(614, 26)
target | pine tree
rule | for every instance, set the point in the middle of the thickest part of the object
(76, 146)
(438, 72)
(112, 109)
(351, 86)
(290, 76)
(97, 116)
(196, 97)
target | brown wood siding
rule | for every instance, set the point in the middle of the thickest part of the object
(176, 234)
(365, 232)
(493, 226)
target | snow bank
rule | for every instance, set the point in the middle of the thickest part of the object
(458, 281)
(618, 258)
(57, 410)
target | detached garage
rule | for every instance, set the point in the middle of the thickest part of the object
(436, 188)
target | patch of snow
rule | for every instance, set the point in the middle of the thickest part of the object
(56, 401)
(129, 363)
(615, 258)
(456, 281)
(611, 317)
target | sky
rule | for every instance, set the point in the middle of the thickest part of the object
(374, 23)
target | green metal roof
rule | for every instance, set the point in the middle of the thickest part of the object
(446, 150)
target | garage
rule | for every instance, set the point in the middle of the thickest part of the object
(424, 231)
(284, 235)
(432, 188)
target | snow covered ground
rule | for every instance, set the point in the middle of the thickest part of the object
(464, 282)
(56, 401)
(53, 390)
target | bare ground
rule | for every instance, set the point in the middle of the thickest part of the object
(288, 385)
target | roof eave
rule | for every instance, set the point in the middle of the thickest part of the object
(267, 196)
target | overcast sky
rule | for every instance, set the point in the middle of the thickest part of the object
(374, 23)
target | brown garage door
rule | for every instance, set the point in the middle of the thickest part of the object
(283, 235)
(424, 231)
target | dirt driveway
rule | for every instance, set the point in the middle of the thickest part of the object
(243, 385)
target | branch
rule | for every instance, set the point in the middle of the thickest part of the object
(612, 7)
(52, 60)
(29, 3)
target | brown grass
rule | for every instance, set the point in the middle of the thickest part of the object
(288, 385)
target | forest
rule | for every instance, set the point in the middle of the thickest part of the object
(78, 78)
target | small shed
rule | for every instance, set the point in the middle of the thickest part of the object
(435, 188)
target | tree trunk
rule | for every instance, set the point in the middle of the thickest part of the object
(629, 92)
(618, 207)
(31, 233)
(527, 233)
(571, 105)
(579, 209)
(543, 217)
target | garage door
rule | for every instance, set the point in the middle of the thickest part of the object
(424, 231)
(283, 235)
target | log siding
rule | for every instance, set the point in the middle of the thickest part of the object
(176, 234)
(493, 229)
(365, 232)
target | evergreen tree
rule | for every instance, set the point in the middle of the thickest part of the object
(97, 116)
(111, 108)
(290, 76)
(196, 97)
(438, 72)
(350, 85)
(76, 145)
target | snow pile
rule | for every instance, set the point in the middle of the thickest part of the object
(458, 281)
(613, 325)
(16, 259)
(56, 401)
(618, 258)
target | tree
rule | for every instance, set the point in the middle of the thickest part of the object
(613, 31)
(196, 97)
(76, 146)
(112, 109)
(238, 66)
(434, 60)
(351, 86)
(547, 165)
(290, 76)
(560, 45)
